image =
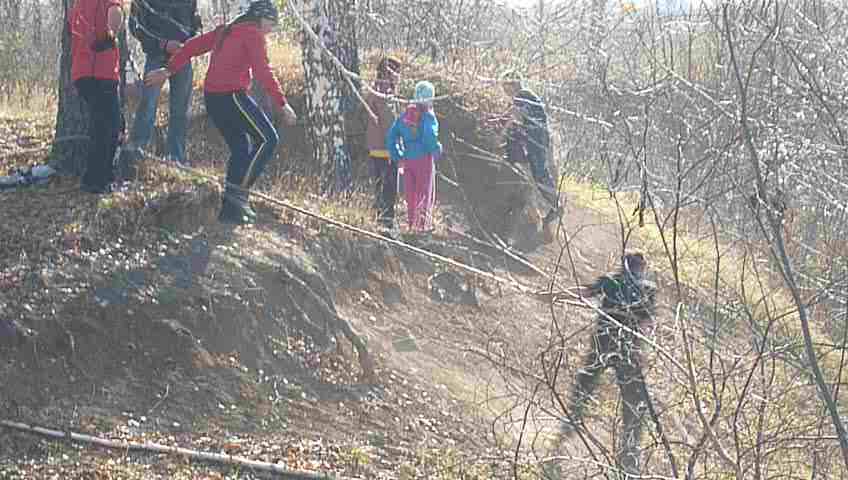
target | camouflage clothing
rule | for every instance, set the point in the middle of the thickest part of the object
(529, 141)
(622, 293)
(627, 302)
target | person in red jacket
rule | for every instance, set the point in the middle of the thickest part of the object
(238, 53)
(94, 71)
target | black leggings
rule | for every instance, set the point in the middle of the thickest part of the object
(104, 128)
(385, 194)
(248, 132)
(612, 346)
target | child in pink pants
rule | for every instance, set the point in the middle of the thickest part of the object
(414, 140)
(419, 184)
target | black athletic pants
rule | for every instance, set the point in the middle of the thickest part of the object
(104, 128)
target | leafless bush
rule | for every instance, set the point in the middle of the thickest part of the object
(29, 44)
(731, 125)
(730, 122)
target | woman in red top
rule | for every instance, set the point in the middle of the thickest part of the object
(94, 71)
(238, 53)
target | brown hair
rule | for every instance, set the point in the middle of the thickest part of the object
(387, 65)
(635, 259)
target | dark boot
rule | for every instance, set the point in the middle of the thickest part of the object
(127, 164)
(231, 213)
(96, 189)
(236, 208)
(549, 225)
(553, 215)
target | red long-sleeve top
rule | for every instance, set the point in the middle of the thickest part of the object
(242, 55)
(88, 21)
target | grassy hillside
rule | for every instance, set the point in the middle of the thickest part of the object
(479, 362)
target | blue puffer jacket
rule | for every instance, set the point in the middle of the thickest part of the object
(404, 142)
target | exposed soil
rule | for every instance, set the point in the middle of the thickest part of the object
(141, 318)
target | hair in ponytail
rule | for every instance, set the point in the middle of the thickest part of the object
(225, 29)
(257, 10)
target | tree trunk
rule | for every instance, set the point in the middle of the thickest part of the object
(543, 46)
(124, 48)
(597, 36)
(347, 49)
(327, 94)
(70, 146)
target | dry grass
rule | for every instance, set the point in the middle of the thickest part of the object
(741, 276)
(29, 119)
(34, 103)
(698, 260)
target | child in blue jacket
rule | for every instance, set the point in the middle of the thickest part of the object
(414, 141)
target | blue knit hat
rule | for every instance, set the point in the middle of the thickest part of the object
(263, 9)
(424, 92)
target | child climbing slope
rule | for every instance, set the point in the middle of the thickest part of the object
(413, 141)
(238, 53)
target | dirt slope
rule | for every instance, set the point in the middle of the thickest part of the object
(142, 318)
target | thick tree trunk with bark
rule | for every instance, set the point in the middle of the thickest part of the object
(70, 146)
(327, 93)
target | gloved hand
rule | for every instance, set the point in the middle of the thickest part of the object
(105, 42)
(122, 129)
(516, 154)
(197, 23)
(289, 117)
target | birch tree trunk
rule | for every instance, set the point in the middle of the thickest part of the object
(328, 94)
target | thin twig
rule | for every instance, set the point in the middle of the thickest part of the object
(778, 246)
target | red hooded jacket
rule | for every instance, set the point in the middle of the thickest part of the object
(242, 55)
(88, 23)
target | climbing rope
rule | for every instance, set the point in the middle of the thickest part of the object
(366, 233)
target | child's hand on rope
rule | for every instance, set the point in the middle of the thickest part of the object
(122, 130)
(156, 77)
(289, 117)
(171, 46)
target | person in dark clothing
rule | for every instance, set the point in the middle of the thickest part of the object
(9, 333)
(528, 140)
(384, 171)
(628, 300)
(94, 71)
(162, 27)
(239, 53)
